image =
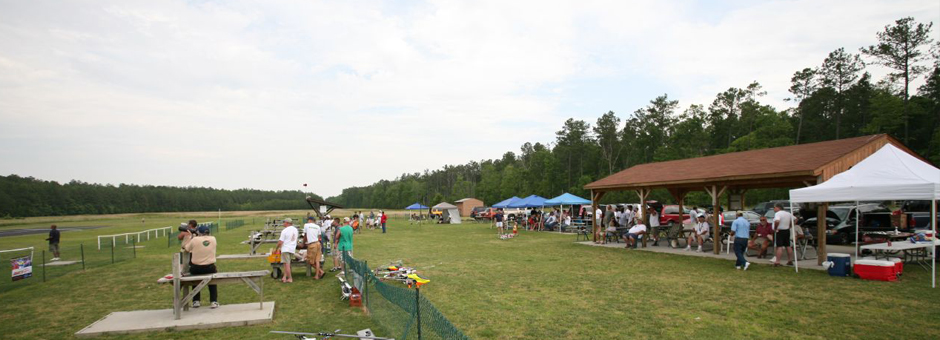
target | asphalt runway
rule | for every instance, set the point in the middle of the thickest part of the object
(21, 232)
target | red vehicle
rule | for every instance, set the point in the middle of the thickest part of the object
(670, 214)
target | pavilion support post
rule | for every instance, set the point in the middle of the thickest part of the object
(595, 200)
(679, 196)
(715, 192)
(821, 233)
(643, 193)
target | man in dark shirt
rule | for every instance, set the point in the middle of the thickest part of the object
(499, 221)
(54, 242)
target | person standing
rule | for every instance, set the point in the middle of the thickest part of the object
(287, 245)
(384, 219)
(499, 220)
(186, 234)
(202, 247)
(312, 235)
(654, 226)
(346, 241)
(610, 223)
(54, 242)
(740, 229)
(598, 223)
(783, 220)
(337, 256)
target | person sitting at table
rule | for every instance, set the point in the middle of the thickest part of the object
(551, 222)
(635, 232)
(763, 236)
(699, 234)
(565, 221)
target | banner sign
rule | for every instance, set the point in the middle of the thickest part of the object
(22, 267)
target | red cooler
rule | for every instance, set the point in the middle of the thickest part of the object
(876, 270)
(898, 265)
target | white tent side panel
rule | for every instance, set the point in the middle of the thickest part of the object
(454, 216)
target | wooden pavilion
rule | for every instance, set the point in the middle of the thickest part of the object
(782, 167)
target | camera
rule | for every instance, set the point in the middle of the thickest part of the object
(184, 227)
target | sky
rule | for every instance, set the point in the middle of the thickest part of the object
(334, 94)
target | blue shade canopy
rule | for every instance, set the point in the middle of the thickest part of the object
(529, 202)
(506, 203)
(416, 206)
(567, 199)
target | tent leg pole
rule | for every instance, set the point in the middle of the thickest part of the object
(796, 254)
(856, 230)
(933, 259)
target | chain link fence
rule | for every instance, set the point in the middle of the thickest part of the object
(229, 225)
(403, 312)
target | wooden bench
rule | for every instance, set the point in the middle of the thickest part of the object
(181, 284)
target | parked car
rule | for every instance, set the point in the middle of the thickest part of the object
(480, 213)
(752, 217)
(763, 207)
(670, 214)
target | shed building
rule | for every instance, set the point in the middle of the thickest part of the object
(466, 205)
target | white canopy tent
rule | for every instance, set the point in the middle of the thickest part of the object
(888, 174)
(449, 211)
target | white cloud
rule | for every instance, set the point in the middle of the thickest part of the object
(335, 94)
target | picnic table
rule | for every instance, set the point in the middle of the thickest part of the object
(181, 284)
(910, 252)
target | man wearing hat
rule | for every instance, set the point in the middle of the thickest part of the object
(202, 249)
(287, 245)
(699, 233)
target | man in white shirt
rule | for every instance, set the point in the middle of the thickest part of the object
(694, 214)
(654, 225)
(312, 234)
(635, 233)
(699, 234)
(783, 221)
(287, 245)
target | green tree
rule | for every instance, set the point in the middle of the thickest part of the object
(839, 72)
(802, 85)
(900, 48)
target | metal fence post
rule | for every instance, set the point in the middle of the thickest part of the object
(82, 248)
(134, 246)
(112, 252)
(43, 266)
(418, 308)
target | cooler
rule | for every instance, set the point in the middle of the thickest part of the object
(841, 264)
(898, 265)
(876, 270)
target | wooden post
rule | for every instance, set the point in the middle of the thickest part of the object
(679, 196)
(176, 286)
(643, 193)
(595, 198)
(716, 193)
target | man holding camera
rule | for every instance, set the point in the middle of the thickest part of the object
(202, 247)
(187, 231)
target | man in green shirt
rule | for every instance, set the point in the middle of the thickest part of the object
(345, 244)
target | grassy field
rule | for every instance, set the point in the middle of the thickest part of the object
(537, 286)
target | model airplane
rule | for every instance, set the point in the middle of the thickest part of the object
(363, 334)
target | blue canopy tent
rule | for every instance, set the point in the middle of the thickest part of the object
(417, 206)
(533, 201)
(566, 199)
(505, 204)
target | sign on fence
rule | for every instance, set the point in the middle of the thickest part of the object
(22, 267)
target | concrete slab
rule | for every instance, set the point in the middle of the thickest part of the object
(61, 263)
(240, 256)
(809, 263)
(196, 318)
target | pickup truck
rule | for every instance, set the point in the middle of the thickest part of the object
(918, 214)
(840, 222)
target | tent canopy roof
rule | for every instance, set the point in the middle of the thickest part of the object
(787, 166)
(888, 174)
(444, 205)
(567, 199)
(529, 202)
(416, 206)
(505, 203)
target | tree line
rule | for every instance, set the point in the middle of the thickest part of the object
(835, 99)
(27, 196)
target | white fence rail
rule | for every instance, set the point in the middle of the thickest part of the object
(157, 232)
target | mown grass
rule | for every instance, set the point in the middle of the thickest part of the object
(536, 286)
